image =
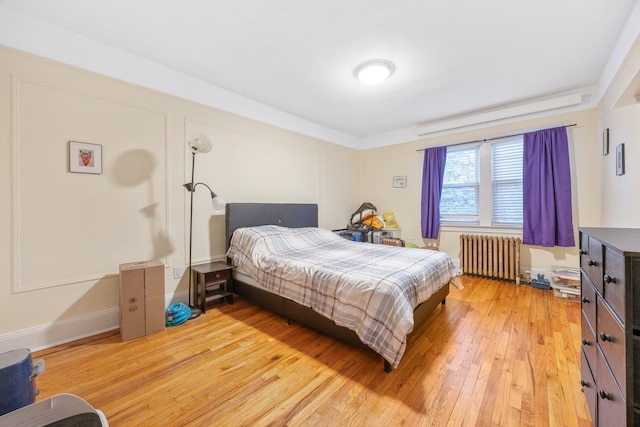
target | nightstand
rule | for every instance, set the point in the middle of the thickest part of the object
(213, 281)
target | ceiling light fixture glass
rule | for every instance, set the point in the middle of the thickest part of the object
(374, 71)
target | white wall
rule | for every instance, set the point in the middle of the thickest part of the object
(620, 113)
(620, 205)
(64, 234)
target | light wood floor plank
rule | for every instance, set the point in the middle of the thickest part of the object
(496, 354)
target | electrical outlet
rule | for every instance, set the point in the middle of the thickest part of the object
(178, 272)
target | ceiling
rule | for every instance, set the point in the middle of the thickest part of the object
(451, 57)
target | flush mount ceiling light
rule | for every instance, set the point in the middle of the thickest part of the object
(374, 71)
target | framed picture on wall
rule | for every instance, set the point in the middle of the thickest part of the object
(399, 181)
(85, 157)
(605, 142)
(620, 160)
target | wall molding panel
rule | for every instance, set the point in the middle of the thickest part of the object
(136, 176)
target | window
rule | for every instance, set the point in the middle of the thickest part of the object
(482, 185)
(506, 183)
(460, 199)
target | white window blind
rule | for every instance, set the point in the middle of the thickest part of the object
(460, 199)
(506, 182)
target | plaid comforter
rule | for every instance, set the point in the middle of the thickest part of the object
(370, 289)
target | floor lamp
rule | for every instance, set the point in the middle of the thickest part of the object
(198, 143)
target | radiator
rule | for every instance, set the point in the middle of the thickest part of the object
(490, 256)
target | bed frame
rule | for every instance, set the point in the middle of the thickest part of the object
(295, 216)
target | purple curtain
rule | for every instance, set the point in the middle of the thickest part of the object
(546, 179)
(432, 175)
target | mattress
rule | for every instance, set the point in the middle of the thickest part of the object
(370, 289)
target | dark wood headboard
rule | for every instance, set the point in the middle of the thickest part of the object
(293, 215)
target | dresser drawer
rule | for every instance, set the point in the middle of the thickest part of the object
(633, 282)
(589, 387)
(612, 411)
(614, 283)
(588, 300)
(612, 341)
(591, 262)
(584, 251)
(589, 342)
(636, 371)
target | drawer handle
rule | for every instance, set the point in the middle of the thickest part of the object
(583, 252)
(604, 395)
(591, 262)
(609, 279)
(586, 341)
(605, 337)
(583, 383)
(586, 300)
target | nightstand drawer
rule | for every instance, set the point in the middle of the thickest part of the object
(218, 276)
(612, 341)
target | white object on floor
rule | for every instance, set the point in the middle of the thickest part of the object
(56, 408)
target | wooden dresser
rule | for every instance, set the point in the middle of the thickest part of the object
(610, 368)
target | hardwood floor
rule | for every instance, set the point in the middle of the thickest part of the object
(495, 354)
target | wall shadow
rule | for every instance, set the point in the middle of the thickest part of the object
(135, 168)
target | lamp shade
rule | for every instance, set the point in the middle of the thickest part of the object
(217, 202)
(199, 142)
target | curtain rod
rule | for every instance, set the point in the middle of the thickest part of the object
(494, 138)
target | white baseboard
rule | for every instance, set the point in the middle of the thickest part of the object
(45, 336)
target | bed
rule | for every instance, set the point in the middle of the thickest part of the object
(271, 246)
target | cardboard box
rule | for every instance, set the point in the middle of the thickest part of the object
(141, 299)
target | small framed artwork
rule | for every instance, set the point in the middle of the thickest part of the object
(399, 181)
(85, 157)
(620, 160)
(605, 142)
